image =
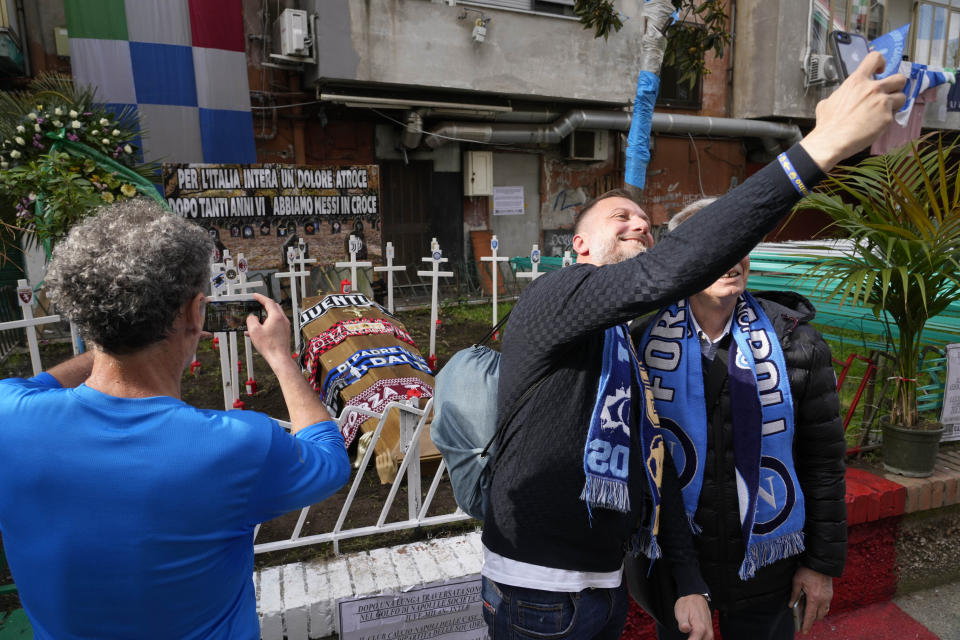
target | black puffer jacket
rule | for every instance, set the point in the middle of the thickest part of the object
(818, 453)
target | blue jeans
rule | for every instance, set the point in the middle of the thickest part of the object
(520, 613)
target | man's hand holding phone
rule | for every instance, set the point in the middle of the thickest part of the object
(270, 336)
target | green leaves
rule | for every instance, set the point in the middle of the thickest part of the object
(901, 213)
(700, 29)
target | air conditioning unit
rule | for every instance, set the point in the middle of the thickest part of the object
(291, 34)
(819, 69)
(584, 144)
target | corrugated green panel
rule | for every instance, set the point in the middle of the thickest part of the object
(96, 19)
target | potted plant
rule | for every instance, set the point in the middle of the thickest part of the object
(901, 214)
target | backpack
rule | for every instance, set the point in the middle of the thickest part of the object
(464, 426)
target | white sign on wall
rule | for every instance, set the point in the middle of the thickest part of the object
(508, 201)
(950, 414)
(447, 611)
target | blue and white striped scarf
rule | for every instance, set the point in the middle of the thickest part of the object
(770, 499)
(606, 456)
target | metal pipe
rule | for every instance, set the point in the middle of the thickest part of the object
(613, 120)
(24, 41)
(401, 103)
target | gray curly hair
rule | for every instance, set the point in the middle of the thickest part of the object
(122, 275)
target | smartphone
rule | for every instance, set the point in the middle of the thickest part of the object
(231, 316)
(849, 50)
(799, 610)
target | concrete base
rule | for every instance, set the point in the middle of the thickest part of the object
(299, 601)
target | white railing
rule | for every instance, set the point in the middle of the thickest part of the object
(412, 423)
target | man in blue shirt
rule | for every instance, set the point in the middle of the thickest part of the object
(124, 511)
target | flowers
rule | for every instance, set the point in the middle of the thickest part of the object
(21, 128)
(36, 128)
(127, 148)
(107, 196)
(128, 190)
(32, 115)
(105, 140)
(57, 124)
(73, 114)
(115, 133)
(59, 112)
(20, 141)
(72, 137)
(15, 154)
(76, 124)
(104, 122)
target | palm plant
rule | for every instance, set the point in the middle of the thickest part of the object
(901, 212)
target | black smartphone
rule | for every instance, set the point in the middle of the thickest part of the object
(799, 610)
(849, 50)
(231, 316)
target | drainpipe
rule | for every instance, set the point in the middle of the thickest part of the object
(412, 133)
(768, 132)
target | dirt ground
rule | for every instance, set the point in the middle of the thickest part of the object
(460, 327)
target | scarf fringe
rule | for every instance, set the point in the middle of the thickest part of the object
(606, 493)
(769, 551)
(694, 527)
(643, 542)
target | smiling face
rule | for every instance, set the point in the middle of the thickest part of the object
(615, 229)
(731, 284)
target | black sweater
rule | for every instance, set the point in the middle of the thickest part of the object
(818, 452)
(535, 514)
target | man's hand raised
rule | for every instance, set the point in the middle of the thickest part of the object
(271, 338)
(855, 114)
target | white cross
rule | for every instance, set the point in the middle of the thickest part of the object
(25, 296)
(535, 262)
(353, 264)
(219, 293)
(295, 307)
(390, 269)
(242, 287)
(567, 259)
(301, 261)
(436, 259)
(494, 268)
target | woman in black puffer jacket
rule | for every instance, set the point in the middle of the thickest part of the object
(758, 608)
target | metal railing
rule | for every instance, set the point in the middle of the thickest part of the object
(412, 423)
(9, 311)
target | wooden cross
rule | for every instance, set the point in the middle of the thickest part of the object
(436, 258)
(295, 306)
(535, 263)
(302, 261)
(25, 296)
(353, 264)
(390, 269)
(494, 268)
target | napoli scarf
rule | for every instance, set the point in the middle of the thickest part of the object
(606, 456)
(769, 495)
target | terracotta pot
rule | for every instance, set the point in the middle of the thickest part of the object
(910, 452)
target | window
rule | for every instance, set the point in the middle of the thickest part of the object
(674, 93)
(855, 16)
(936, 32)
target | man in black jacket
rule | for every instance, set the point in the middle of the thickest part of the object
(752, 597)
(577, 478)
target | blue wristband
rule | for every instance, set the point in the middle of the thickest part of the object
(792, 174)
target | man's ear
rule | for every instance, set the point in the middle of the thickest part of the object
(580, 245)
(194, 313)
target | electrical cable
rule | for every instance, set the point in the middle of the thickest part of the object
(699, 173)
